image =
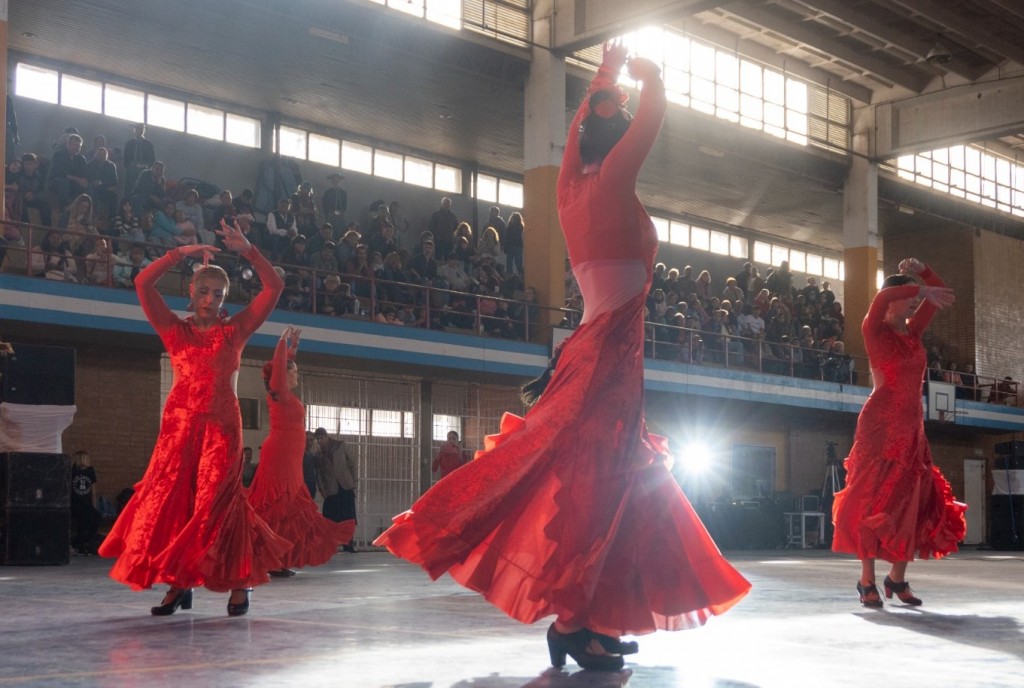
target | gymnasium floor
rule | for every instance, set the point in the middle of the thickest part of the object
(367, 619)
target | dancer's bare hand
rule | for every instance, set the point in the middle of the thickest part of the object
(642, 69)
(615, 55)
(908, 265)
(234, 238)
(940, 297)
(192, 250)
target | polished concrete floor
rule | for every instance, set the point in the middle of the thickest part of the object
(370, 620)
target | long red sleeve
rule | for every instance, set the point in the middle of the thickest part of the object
(925, 311)
(279, 373)
(157, 312)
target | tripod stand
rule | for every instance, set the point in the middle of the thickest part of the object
(833, 481)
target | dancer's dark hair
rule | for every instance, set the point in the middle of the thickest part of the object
(598, 135)
(897, 281)
(531, 391)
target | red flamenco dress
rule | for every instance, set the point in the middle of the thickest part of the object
(278, 493)
(188, 523)
(572, 510)
(896, 504)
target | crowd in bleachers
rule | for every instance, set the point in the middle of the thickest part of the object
(111, 211)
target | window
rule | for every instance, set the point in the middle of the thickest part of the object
(762, 253)
(387, 165)
(386, 423)
(779, 254)
(661, 227)
(813, 264)
(36, 83)
(291, 142)
(353, 421)
(444, 424)
(124, 103)
(448, 178)
(164, 112)
(445, 12)
(510, 193)
(324, 150)
(205, 122)
(679, 234)
(700, 238)
(81, 93)
(879, 278)
(737, 247)
(487, 188)
(419, 172)
(356, 157)
(831, 268)
(243, 131)
(719, 243)
(798, 261)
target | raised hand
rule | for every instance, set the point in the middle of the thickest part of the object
(940, 297)
(615, 55)
(234, 238)
(293, 338)
(642, 69)
(198, 249)
(913, 265)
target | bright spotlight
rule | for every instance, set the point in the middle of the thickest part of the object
(696, 457)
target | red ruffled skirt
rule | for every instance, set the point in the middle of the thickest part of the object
(572, 510)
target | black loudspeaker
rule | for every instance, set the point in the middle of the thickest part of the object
(36, 537)
(38, 375)
(37, 481)
(1007, 518)
(1013, 463)
(1014, 448)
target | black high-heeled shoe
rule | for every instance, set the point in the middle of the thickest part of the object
(902, 591)
(575, 645)
(241, 608)
(183, 600)
(615, 645)
(281, 573)
(866, 590)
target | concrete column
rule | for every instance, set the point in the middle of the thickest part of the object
(544, 255)
(860, 234)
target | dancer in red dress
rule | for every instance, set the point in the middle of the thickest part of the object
(896, 504)
(188, 523)
(572, 511)
(278, 493)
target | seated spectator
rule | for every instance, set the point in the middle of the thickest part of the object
(129, 267)
(325, 261)
(187, 234)
(224, 211)
(934, 372)
(295, 254)
(464, 252)
(952, 376)
(839, 367)
(359, 268)
(78, 222)
(453, 275)
(350, 238)
(282, 227)
(243, 203)
(410, 316)
(384, 241)
(969, 380)
(459, 312)
(732, 290)
(102, 177)
(487, 277)
(324, 235)
(150, 189)
(387, 315)
(810, 354)
(68, 176)
(826, 296)
(336, 298)
(126, 225)
(811, 292)
(54, 259)
(295, 296)
(1004, 392)
(192, 209)
(401, 224)
(490, 246)
(30, 186)
(100, 263)
(396, 278)
(165, 231)
(422, 268)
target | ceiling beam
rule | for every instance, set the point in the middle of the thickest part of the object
(580, 24)
(1012, 7)
(803, 33)
(769, 58)
(869, 24)
(956, 25)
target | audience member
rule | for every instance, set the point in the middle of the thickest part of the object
(30, 185)
(102, 177)
(334, 202)
(398, 219)
(282, 227)
(304, 209)
(129, 267)
(442, 226)
(150, 188)
(139, 155)
(512, 243)
(68, 176)
(85, 519)
(450, 456)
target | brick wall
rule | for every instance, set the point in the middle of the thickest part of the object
(1000, 348)
(117, 392)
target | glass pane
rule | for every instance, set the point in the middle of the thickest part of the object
(679, 234)
(292, 142)
(124, 103)
(487, 188)
(779, 254)
(413, 7)
(356, 157)
(719, 243)
(751, 79)
(409, 424)
(831, 268)
(813, 264)
(244, 131)
(325, 417)
(702, 61)
(353, 421)
(510, 193)
(419, 172)
(700, 238)
(444, 424)
(81, 93)
(445, 12)
(762, 252)
(797, 261)
(166, 113)
(205, 122)
(386, 423)
(727, 71)
(387, 165)
(737, 246)
(448, 178)
(796, 96)
(774, 87)
(661, 226)
(727, 99)
(324, 149)
(36, 83)
(677, 81)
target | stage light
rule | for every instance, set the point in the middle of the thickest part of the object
(696, 457)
